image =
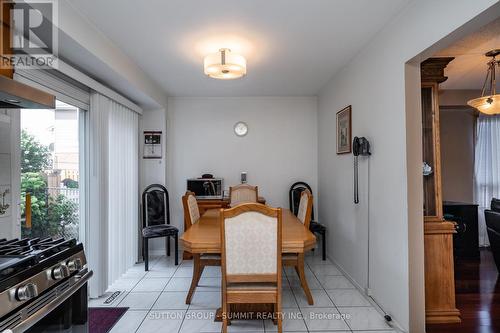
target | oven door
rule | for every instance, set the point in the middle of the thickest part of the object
(62, 309)
(71, 316)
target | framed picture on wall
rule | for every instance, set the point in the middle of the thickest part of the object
(152, 145)
(344, 136)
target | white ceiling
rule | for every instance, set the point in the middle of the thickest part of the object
(468, 69)
(293, 47)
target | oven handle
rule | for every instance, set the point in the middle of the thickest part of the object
(37, 316)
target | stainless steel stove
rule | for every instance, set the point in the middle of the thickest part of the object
(43, 286)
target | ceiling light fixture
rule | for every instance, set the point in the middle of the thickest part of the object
(489, 103)
(225, 65)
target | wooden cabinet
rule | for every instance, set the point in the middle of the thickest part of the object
(438, 234)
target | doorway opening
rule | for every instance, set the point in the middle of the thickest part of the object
(461, 278)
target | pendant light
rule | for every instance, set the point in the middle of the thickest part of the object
(225, 65)
(489, 102)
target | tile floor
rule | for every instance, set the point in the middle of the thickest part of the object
(156, 302)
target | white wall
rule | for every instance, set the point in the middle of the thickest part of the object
(374, 83)
(279, 149)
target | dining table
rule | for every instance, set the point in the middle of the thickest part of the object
(203, 237)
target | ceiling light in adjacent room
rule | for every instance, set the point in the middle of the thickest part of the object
(489, 102)
(225, 65)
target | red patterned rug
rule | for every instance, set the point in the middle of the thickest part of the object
(102, 320)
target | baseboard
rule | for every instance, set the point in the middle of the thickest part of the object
(394, 324)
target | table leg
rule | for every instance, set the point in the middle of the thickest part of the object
(302, 277)
(196, 277)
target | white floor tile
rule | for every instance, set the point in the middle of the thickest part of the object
(200, 321)
(292, 322)
(184, 271)
(129, 322)
(185, 263)
(317, 260)
(335, 282)
(124, 284)
(364, 318)
(153, 284)
(209, 284)
(320, 297)
(290, 271)
(325, 270)
(163, 272)
(178, 284)
(130, 274)
(347, 297)
(376, 331)
(288, 299)
(139, 301)
(312, 282)
(324, 319)
(162, 321)
(212, 271)
(205, 300)
(171, 300)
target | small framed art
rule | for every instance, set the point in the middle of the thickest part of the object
(344, 126)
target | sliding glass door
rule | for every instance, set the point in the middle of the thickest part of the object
(51, 172)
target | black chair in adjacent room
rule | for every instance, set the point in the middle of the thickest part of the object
(315, 227)
(156, 221)
(492, 217)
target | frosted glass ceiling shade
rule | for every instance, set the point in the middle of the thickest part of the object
(225, 65)
(489, 102)
(487, 105)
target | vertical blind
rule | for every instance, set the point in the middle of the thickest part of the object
(486, 169)
(113, 191)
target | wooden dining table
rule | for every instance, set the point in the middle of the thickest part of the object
(203, 237)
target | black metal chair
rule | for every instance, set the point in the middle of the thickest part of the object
(315, 227)
(156, 221)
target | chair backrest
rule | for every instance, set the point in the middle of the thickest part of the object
(493, 228)
(243, 193)
(305, 208)
(251, 243)
(294, 195)
(155, 206)
(191, 211)
(495, 205)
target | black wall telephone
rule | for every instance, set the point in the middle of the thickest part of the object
(360, 146)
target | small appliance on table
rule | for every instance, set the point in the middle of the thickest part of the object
(43, 286)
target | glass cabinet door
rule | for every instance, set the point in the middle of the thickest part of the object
(431, 152)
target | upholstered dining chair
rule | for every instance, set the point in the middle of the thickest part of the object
(251, 258)
(294, 199)
(294, 259)
(243, 193)
(192, 215)
(156, 220)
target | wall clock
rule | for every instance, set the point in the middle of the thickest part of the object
(240, 128)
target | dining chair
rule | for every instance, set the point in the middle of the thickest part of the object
(243, 193)
(251, 237)
(294, 259)
(156, 221)
(294, 199)
(192, 215)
